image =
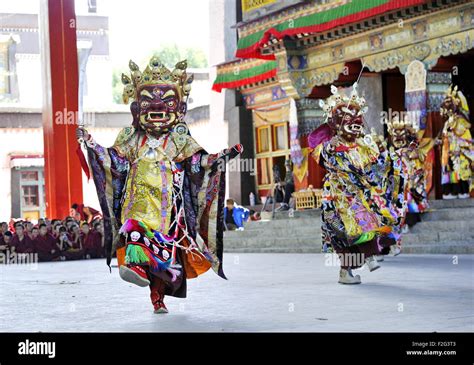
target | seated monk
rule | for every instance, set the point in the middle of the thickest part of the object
(91, 242)
(66, 246)
(45, 245)
(21, 241)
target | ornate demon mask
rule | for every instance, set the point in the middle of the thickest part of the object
(160, 95)
(401, 133)
(344, 113)
(454, 101)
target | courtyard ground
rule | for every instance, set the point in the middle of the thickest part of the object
(265, 292)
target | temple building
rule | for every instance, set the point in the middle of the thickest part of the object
(403, 54)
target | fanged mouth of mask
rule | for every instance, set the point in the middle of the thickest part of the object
(353, 128)
(399, 142)
(157, 117)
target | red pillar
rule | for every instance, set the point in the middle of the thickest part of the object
(63, 176)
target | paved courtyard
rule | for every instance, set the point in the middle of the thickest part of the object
(265, 292)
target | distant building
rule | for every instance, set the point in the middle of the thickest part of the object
(21, 135)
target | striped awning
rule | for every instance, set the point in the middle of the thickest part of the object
(250, 46)
(236, 74)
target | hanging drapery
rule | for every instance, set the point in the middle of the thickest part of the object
(300, 172)
(266, 117)
(295, 147)
(415, 93)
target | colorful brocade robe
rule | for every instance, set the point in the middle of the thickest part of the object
(417, 163)
(457, 151)
(167, 188)
(357, 200)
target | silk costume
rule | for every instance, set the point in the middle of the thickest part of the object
(457, 149)
(357, 211)
(161, 194)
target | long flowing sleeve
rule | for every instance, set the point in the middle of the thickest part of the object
(110, 168)
(204, 197)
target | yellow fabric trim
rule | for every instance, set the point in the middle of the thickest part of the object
(301, 171)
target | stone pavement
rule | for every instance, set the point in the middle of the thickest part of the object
(265, 292)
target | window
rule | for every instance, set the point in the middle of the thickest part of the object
(272, 148)
(263, 144)
(30, 196)
(4, 84)
(265, 171)
(29, 176)
(280, 137)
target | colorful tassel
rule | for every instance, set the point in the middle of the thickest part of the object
(136, 255)
(383, 230)
(368, 236)
(365, 237)
(131, 225)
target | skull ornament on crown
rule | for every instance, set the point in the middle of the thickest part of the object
(345, 113)
(160, 95)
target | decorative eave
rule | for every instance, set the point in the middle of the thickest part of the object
(239, 73)
(434, 29)
(314, 19)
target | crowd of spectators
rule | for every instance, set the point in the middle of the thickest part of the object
(78, 236)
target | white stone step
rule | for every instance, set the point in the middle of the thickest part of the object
(454, 203)
(462, 213)
(447, 228)
(444, 226)
(288, 242)
(455, 248)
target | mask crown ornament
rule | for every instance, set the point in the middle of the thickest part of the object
(454, 100)
(352, 104)
(156, 73)
(344, 113)
(406, 123)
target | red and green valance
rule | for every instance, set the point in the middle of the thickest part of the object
(356, 10)
(238, 76)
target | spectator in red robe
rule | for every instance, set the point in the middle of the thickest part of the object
(47, 222)
(75, 236)
(3, 230)
(82, 213)
(3, 226)
(45, 245)
(99, 239)
(5, 241)
(28, 228)
(56, 228)
(34, 233)
(21, 241)
(87, 239)
(66, 246)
